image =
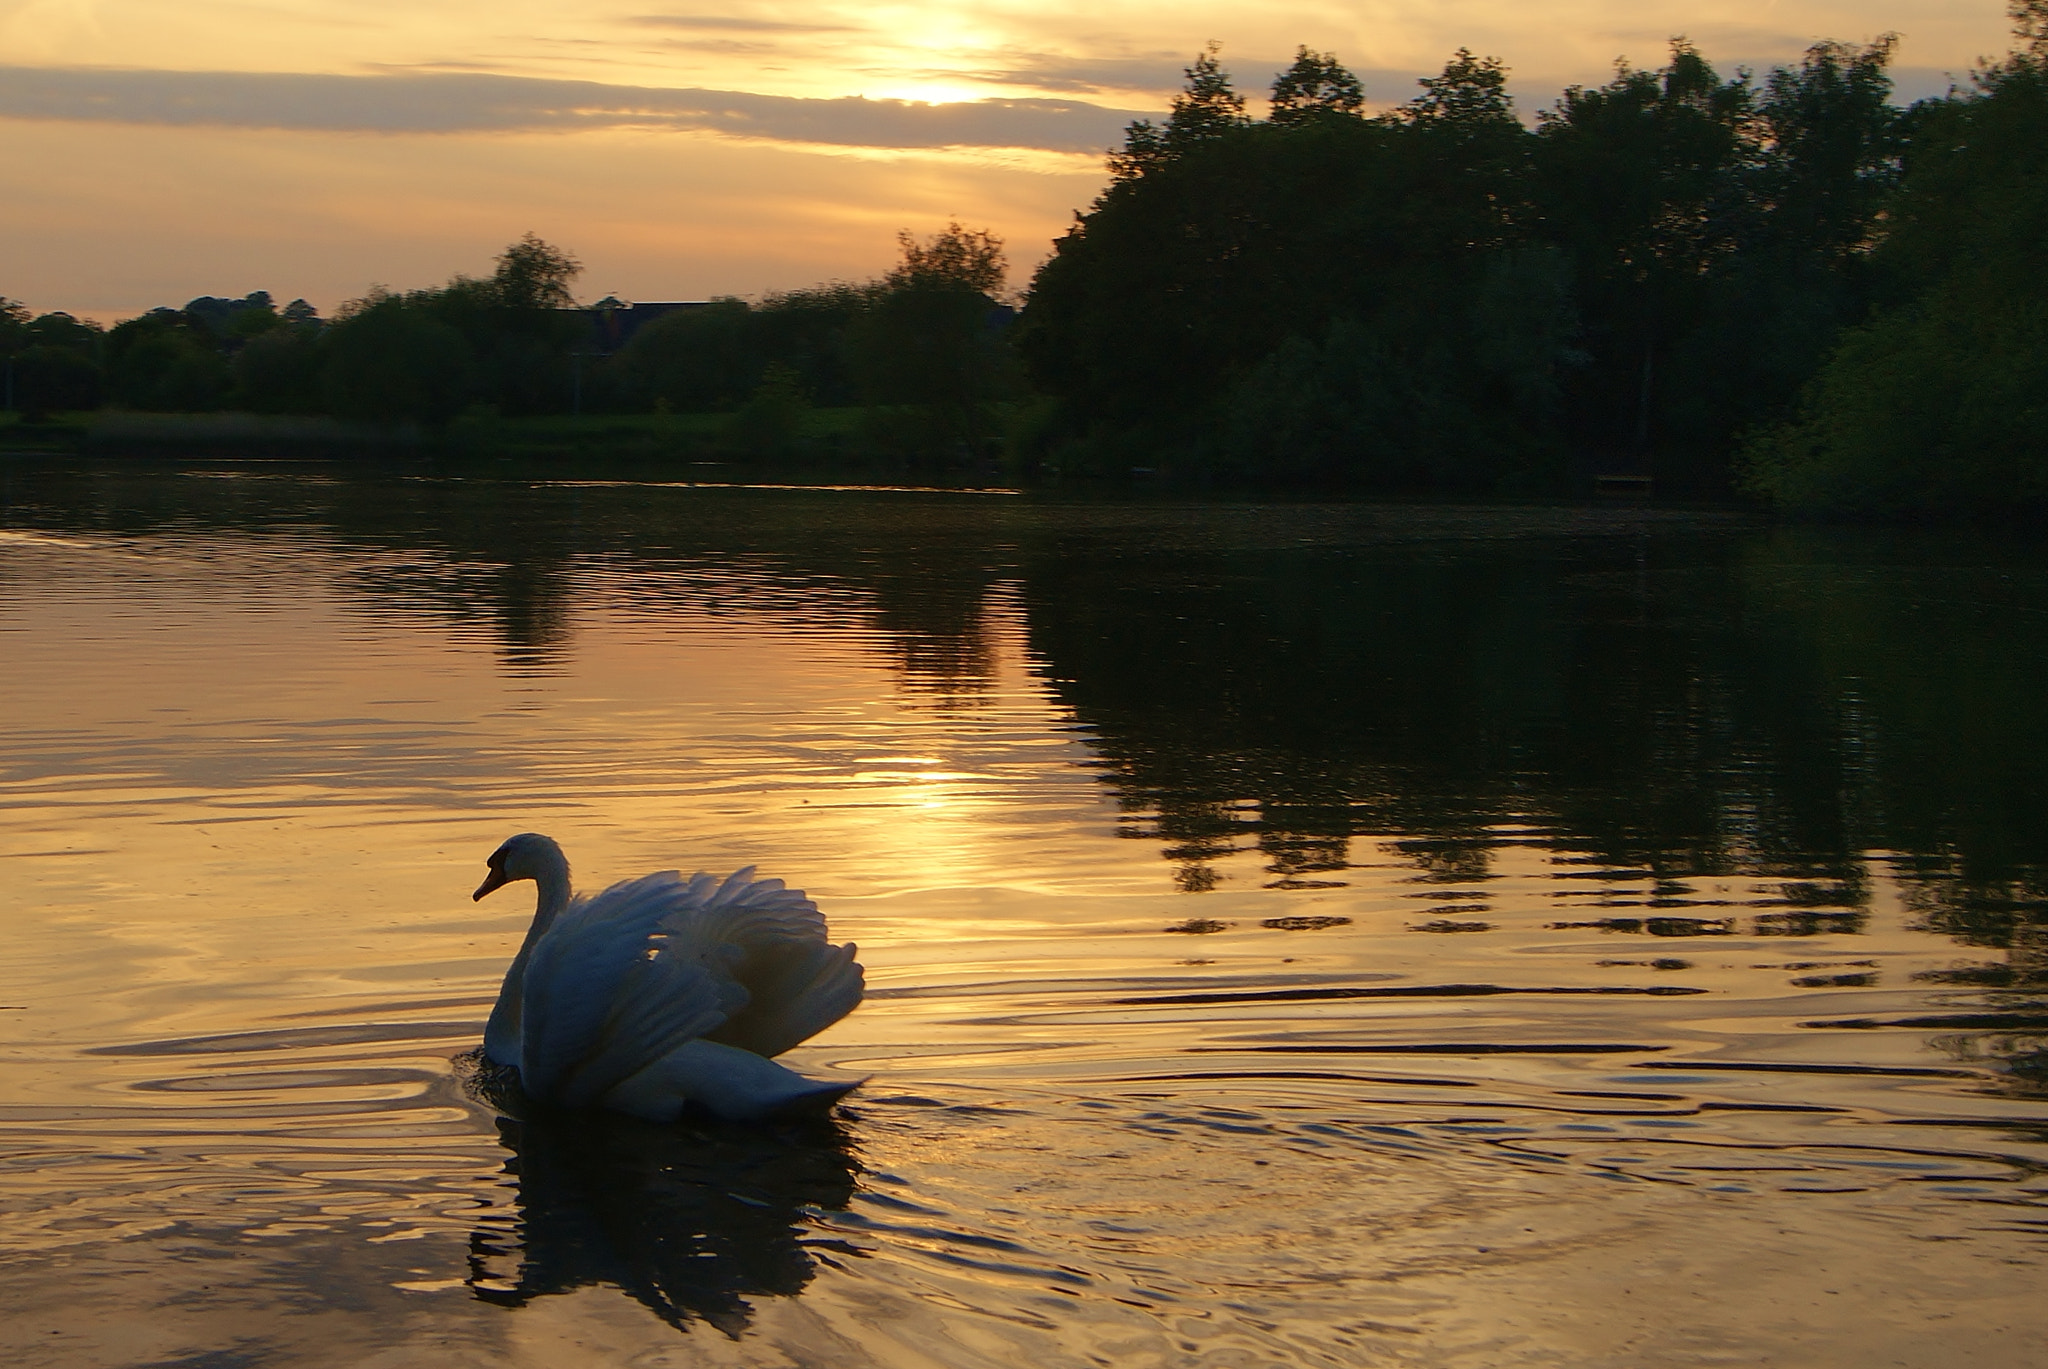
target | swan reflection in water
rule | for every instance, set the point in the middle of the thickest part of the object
(691, 1219)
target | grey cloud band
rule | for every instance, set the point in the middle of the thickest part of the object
(474, 103)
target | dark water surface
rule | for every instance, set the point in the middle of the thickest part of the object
(1298, 935)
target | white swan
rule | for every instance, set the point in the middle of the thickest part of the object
(662, 992)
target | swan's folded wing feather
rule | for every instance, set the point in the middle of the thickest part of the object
(795, 991)
(574, 975)
(661, 1002)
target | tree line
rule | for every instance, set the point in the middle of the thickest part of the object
(1936, 400)
(922, 347)
(1785, 285)
(1780, 284)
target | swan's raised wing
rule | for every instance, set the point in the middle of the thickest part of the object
(770, 940)
(797, 992)
(601, 1002)
(623, 979)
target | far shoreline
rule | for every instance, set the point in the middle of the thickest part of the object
(831, 448)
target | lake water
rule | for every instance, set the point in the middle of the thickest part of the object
(1296, 935)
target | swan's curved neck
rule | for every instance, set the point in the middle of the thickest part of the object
(553, 879)
(502, 1032)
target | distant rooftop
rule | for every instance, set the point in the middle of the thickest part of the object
(615, 321)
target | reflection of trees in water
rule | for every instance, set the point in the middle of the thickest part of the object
(690, 1221)
(1699, 702)
(1769, 707)
(2010, 916)
(526, 606)
(1686, 705)
(515, 556)
(1292, 701)
(935, 613)
(511, 554)
(507, 563)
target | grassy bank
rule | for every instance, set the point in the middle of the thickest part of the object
(853, 442)
(60, 433)
(823, 433)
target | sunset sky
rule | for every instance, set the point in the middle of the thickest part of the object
(155, 150)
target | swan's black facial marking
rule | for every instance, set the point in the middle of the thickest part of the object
(533, 852)
(497, 879)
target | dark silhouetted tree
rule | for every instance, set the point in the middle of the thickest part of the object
(48, 364)
(698, 360)
(1639, 181)
(534, 275)
(14, 321)
(1937, 405)
(1207, 108)
(166, 361)
(1470, 96)
(1317, 86)
(277, 370)
(957, 259)
(390, 358)
(933, 340)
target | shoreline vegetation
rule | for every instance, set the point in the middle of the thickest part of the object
(1779, 287)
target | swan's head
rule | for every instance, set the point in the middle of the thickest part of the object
(526, 856)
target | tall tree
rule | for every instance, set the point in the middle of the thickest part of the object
(14, 321)
(520, 326)
(933, 339)
(1639, 181)
(1317, 86)
(392, 358)
(1471, 96)
(1938, 403)
(534, 274)
(957, 259)
(166, 361)
(48, 363)
(1831, 144)
(1206, 109)
(2030, 26)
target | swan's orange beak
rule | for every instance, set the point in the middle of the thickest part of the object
(495, 880)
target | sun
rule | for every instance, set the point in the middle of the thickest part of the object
(926, 90)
